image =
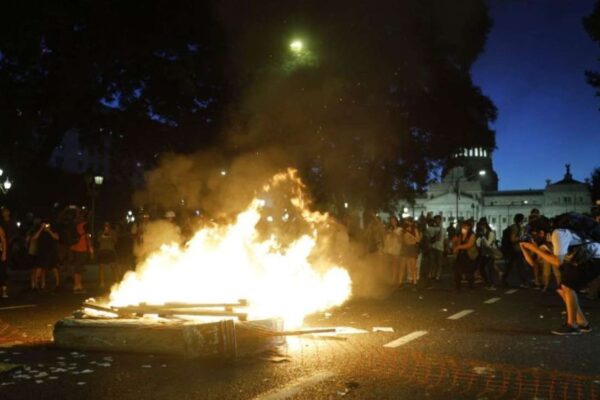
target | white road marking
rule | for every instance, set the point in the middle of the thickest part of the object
(460, 314)
(492, 300)
(294, 387)
(511, 291)
(405, 339)
(383, 329)
(17, 307)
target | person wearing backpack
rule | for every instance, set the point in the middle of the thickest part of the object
(576, 251)
(511, 237)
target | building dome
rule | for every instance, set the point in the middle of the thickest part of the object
(473, 160)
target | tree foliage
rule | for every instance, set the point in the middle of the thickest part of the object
(595, 184)
(386, 97)
(380, 95)
(155, 65)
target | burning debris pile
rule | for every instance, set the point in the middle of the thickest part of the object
(276, 255)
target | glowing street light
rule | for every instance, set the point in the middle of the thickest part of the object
(297, 46)
(481, 172)
(6, 185)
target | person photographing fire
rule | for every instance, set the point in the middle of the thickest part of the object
(575, 275)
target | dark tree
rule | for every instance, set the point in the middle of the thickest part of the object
(592, 26)
(144, 78)
(379, 95)
(595, 184)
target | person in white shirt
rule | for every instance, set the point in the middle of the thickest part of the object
(574, 277)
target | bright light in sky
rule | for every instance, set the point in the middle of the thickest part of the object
(297, 46)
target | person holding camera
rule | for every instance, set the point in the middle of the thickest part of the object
(47, 255)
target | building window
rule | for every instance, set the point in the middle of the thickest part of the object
(493, 220)
(504, 219)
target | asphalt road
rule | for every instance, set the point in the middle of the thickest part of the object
(476, 344)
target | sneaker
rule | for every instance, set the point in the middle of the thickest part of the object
(585, 328)
(567, 330)
(491, 288)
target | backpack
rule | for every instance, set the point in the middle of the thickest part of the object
(506, 246)
(584, 227)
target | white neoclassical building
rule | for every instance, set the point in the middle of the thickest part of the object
(469, 189)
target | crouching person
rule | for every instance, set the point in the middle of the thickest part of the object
(578, 257)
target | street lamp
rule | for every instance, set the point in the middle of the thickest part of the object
(511, 204)
(6, 185)
(457, 187)
(297, 46)
(95, 182)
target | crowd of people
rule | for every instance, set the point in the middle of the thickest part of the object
(58, 248)
(536, 251)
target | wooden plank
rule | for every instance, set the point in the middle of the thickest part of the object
(141, 310)
(241, 303)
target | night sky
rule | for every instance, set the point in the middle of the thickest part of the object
(533, 69)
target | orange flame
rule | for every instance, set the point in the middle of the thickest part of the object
(230, 262)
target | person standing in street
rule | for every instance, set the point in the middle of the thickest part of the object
(3, 264)
(391, 248)
(466, 255)
(436, 236)
(486, 242)
(512, 252)
(82, 251)
(410, 249)
(47, 255)
(107, 254)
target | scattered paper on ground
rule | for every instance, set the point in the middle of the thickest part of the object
(6, 367)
